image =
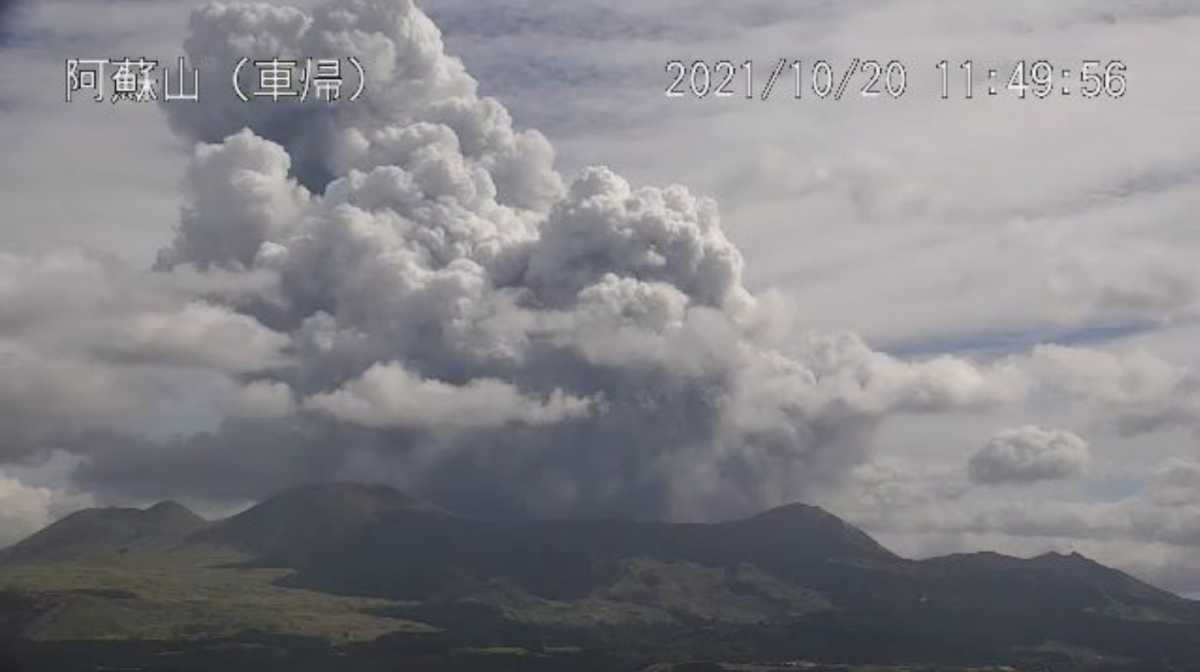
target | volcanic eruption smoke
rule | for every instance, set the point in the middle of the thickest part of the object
(455, 317)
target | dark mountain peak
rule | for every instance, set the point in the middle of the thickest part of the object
(1076, 583)
(1074, 558)
(795, 511)
(172, 510)
(1084, 569)
(976, 559)
(167, 505)
(1077, 564)
(809, 529)
(1064, 563)
(313, 514)
(105, 530)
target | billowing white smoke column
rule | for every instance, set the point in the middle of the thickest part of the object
(462, 320)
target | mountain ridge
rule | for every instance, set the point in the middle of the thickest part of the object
(111, 529)
(789, 576)
(354, 504)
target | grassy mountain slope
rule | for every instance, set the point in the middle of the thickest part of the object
(179, 595)
(95, 532)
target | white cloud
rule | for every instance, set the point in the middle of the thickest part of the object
(87, 343)
(25, 509)
(1137, 391)
(202, 335)
(1027, 454)
(387, 395)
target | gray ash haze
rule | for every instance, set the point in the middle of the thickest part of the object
(972, 326)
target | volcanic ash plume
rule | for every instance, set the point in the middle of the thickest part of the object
(465, 322)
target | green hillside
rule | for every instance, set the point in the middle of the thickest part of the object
(180, 595)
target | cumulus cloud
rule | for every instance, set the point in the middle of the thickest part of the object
(1029, 454)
